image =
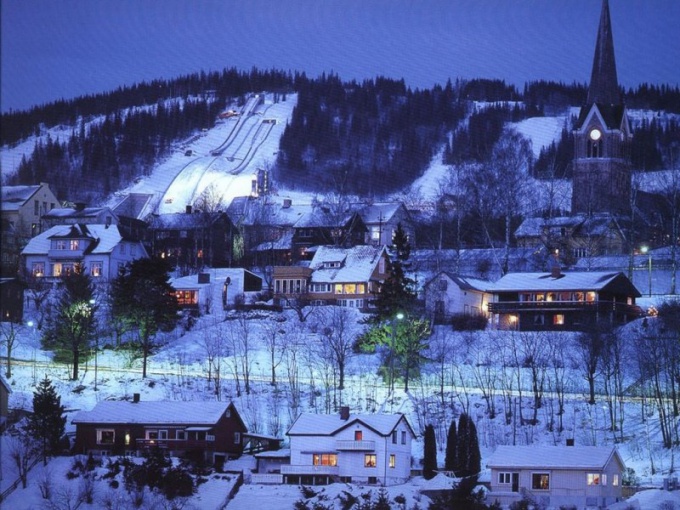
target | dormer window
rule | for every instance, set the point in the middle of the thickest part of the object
(331, 265)
(74, 244)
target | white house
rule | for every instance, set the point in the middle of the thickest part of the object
(556, 476)
(364, 448)
(447, 294)
(216, 289)
(101, 249)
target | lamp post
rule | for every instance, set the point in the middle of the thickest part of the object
(225, 293)
(96, 347)
(395, 318)
(645, 250)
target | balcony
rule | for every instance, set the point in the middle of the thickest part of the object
(65, 254)
(563, 306)
(355, 446)
(288, 469)
(174, 444)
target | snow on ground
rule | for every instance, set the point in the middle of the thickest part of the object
(541, 131)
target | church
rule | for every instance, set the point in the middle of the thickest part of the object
(602, 208)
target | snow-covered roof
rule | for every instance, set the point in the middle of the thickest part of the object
(463, 282)
(584, 280)
(285, 242)
(184, 221)
(356, 264)
(328, 424)
(106, 238)
(379, 212)
(552, 457)
(166, 412)
(71, 212)
(218, 277)
(319, 218)
(13, 197)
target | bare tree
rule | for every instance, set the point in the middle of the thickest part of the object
(23, 450)
(240, 347)
(9, 340)
(214, 345)
(273, 339)
(337, 333)
(587, 355)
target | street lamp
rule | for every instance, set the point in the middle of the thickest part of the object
(645, 250)
(397, 317)
(96, 347)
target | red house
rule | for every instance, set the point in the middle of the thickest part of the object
(212, 430)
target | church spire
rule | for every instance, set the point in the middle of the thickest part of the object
(604, 85)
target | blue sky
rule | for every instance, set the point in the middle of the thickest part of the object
(52, 49)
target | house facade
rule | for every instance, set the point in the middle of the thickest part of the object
(448, 294)
(321, 227)
(352, 448)
(212, 430)
(382, 219)
(556, 476)
(5, 390)
(336, 276)
(193, 239)
(100, 249)
(562, 301)
(216, 289)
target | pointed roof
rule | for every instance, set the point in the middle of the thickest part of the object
(604, 85)
(553, 457)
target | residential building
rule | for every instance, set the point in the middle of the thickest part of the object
(562, 300)
(448, 294)
(101, 249)
(556, 476)
(193, 240)
(352, 448)
(12, 299)
(21, 209)
(79, 214)
(335, 276)
(5, 390)
(321, 226)
(211, 430)
(216, 289)
(383, 218)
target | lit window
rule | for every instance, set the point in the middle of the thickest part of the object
(38, 269)
(370, 460)
(106, 436)
(558, 319)
(338, 288)
(325, 459)
(615, 480)
(590, 296)
(74, 244)
(393, 460)
(96, 269)
(540, 481)
(127, 439)
(358, 435)
(593, 478)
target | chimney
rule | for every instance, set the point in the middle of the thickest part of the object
(287, 202)
(188, 210)
(135, 398)
(570, 442)
(555, 269)
(344, 413)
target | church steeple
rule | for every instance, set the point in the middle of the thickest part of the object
(604, 85)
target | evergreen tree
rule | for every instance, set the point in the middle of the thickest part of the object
(450, 463)
(474, 465)
(462, 445)
(396, 293)
(429, 453)
(73, 325)
(144, 300)
(47, 422)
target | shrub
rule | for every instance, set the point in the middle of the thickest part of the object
(465, 322)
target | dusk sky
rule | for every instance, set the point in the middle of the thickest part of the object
(52, 49)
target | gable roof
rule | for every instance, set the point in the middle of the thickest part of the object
(318, 218)
(72, 212)
(356, 264)
(308, 424)
(105, 238)
(566, 281)
(380, 212)
(14, 197)
(162, 412)
(133, 205)
(462, 282)
(553, 457)
(186, 221)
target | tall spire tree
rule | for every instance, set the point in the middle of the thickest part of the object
(47, 423)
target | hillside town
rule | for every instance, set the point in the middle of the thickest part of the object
(205, 335)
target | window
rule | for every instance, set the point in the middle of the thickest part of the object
(122, 248)
(162, 434)
(590, 296)
(127, 438)
(181, 435)
(615, 480)
(358, 435)
(394, 437)
(36, 207)
(393, 460)
(370, 460)
(443, 284)
(96, 269)
(381, 266)
(38, 269)
(403, 437)
(106, 436)
(237, 438)
(325, 459)
(74, 244)
(540, 481)
(593, 478)
(504, 478)
(60, 244)
(558, 319)
(338, 288)
(152, 436)
(186, 297)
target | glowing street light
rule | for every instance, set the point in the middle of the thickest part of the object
(645, 250)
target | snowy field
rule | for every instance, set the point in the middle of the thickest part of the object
(179, 370)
